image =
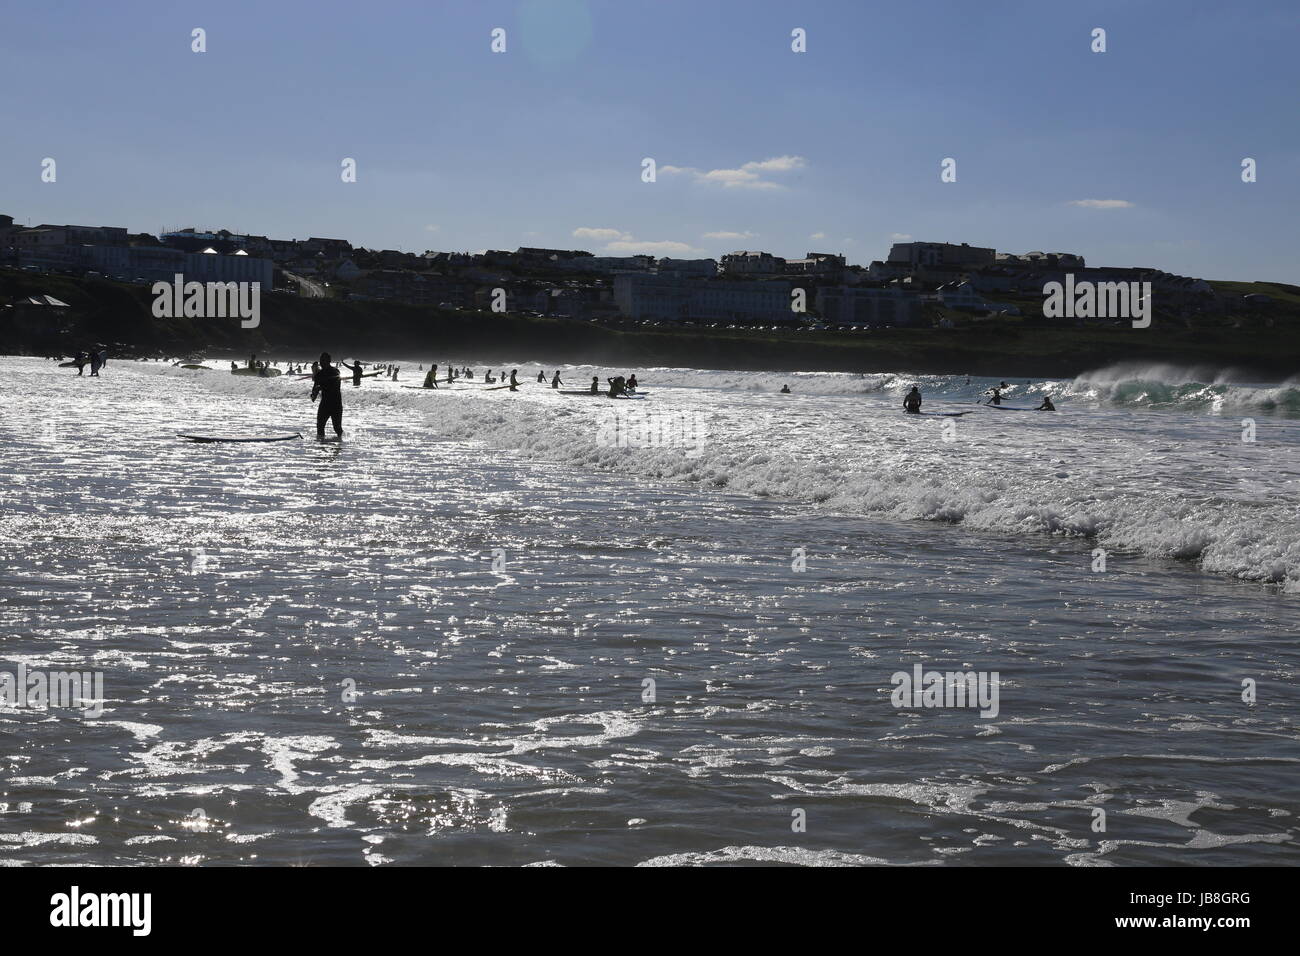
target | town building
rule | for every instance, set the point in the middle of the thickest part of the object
(942, 256)
(743, 263)
(679, 298)
(857, 305)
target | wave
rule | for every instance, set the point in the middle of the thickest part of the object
(1179, 488)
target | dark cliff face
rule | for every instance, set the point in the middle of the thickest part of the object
(121, 318)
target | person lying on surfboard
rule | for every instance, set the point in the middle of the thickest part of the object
(912, 401)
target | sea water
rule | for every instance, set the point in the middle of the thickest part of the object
(479, 631)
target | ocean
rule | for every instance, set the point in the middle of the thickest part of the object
(714, 625)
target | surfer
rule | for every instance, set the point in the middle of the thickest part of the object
(487, 378)
(354, 369)
(785, 389)
(595, 385)
(96, 360)
(996, 399)
(631, 382)
(1047, 405)
(912, 401)
(555, 379)
(617, 386)
(541, 376)
(82, 359)
(514, 385)
(431, 379)
(325, 385)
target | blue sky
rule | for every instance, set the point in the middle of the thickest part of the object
(458, 148)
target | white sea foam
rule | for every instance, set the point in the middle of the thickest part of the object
(1172, 484)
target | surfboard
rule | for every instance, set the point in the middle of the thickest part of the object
(203, 368)
(495, 388)
(1010, 408)
(573, 392)
(257, 372)
(206, 439)
(67, 365)
(421, 388)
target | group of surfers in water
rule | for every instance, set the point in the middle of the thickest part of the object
(618, 384)
(912, 400)
(326, 381)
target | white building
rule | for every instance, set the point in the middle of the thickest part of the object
(676, 298)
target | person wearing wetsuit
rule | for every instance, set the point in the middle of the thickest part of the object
(555, 380)
(617, 386)
(1047, 405)
(996, 399)
(431, 379)
(631, 382)
(785, 389)
(355, 370)
(96, 360)
(82, 359)
(541, 376)
(514, 385)
(912, 401)
(325, 385)
(595, 385)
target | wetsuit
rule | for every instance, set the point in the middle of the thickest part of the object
(912, 402)
(356, 373)
(325, 383)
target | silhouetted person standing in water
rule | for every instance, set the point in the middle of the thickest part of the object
(514, 385)
(325, 384)
(356, 373)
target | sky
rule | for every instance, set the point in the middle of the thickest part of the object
(1129, 157)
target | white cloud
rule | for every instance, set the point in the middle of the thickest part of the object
(900, 236)
(600, 235)
(431, 228)
(1102, 203)
(730, 235)
(747, 176)
(818, 235)
(664, 247)
(618, 242)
